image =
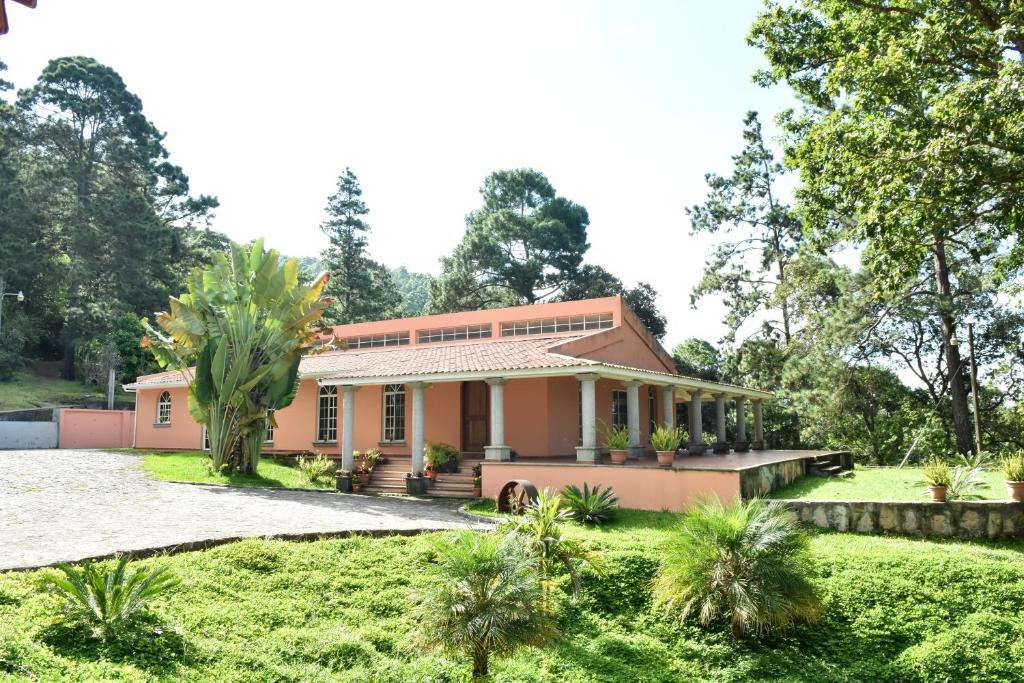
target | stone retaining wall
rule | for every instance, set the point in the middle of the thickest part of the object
(954, 519)
(760, 481)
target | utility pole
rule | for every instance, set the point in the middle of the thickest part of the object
(3, 292)
(974, 388)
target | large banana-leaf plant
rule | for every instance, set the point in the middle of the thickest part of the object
(239, 334)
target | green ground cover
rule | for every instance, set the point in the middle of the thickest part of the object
(895, 610)
(193, 466)
(33, 391)
(878, 483)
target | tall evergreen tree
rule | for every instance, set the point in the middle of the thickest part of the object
(361, 288)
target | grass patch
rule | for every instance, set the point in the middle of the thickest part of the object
(878, 483)
(895, 610)
(34, 391)
(193, 466)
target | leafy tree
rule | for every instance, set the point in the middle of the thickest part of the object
(523, 245)
(696, 357)
(415, 290)
(592, 282)
(747, 563)
(909, 143)
(244, 323)
(362, 289)
(482, 599)
(750, 269)
(115, 204)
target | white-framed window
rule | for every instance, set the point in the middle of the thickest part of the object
(568, 323)
(373, 341)
(482, 331)
(327, 414)
(394, 413)
(620, 412)
(652, 410)
(270, 428)
(163, 408)
(206, 438)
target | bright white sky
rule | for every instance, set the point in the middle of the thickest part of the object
(623, 105)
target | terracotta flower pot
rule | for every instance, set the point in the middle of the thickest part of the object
(618, 457)
(357, 485)
(477, 492)
(364, 478)
(665, 458)
(431, 473)
(938, 494)
(1015, 490)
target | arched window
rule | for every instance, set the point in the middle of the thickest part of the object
(327, 414)
(163, 409)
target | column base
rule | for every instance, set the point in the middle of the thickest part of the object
(740, 446)
(634, 452)
(720, 448)
(696, 448)
(497, 453)
(588, 454)
(757, 445)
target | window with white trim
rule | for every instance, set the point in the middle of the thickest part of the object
(394, 413)
(327, 414)
(206, 438)
(373, 341)
(652, 410)
(482, 331)
(270, 428)
(163, 408)
(620, 412)
(568, 323)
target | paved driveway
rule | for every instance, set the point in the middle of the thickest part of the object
(58, 506)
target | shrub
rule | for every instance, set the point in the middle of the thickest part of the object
(1012, 466)
(665, 439)
(253, 555)
(935, 472)
(965, 482)
(438, 454)
(483, 599)
(106, 597)
(616, 438)
(983, 647)
(316, 469)
(747, 562)
(12, 343)
(591, 505)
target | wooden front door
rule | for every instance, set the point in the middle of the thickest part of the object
(475, 416)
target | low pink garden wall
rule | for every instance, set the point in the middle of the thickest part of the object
(84, 428)
(638, 487)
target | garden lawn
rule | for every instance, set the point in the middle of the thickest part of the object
(195, 466)
(878, 483)
(895, 610)
(32, 391)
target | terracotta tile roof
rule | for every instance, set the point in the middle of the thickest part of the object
(492, 355)
(171, 376)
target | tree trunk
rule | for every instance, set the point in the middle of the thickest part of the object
(480, 666)
(957, 389)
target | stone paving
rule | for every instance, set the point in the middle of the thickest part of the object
(68, 505)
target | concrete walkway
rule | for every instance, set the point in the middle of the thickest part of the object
(69, 505)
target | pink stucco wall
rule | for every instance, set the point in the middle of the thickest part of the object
(641, 488)
(181, 434)
(83, 428)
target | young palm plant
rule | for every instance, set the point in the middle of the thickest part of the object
(482, 599)
(591, 505)
(541, 528)
(109, 597)
(747, 562)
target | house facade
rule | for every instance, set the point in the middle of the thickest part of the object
(527, 382)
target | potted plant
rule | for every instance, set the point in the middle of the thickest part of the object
(415, 484)
(1013, 469)
(434, 457)
(363, 475)
(357, 483)
(937, 475)
(666, 441)
(616, 440)
(343, 481)
(478, 480)
(371, 458)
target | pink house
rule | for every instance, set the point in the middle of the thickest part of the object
(529, 384)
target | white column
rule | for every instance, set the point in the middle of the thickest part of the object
(758, 444)
(668, 407)
(741, 445)
(633, 418)
(417, 427)
(721, 444)
(588, 450)
(696, 423)
(497, 450)
(348, 426)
